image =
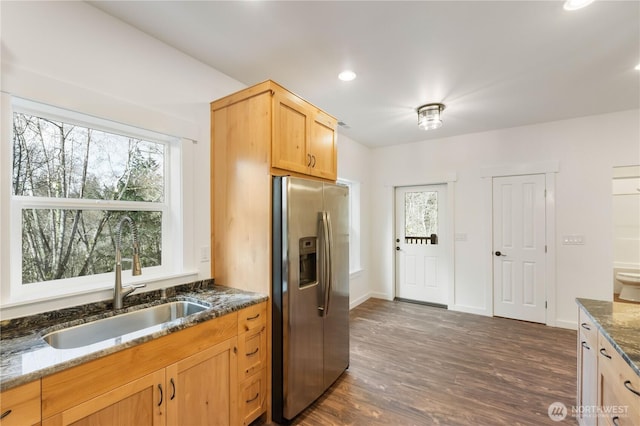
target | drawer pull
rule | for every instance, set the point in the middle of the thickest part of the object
(585, 326)
(253, 399)
(256, 316)
(253, 353)
(161, 397)
(5, 414)
(627, 384)
(615, 421)
(584, 345)
(603, 352)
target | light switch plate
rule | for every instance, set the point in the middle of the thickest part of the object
(573, 240)
(204, 254)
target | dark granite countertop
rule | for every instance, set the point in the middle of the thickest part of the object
(620, 324)
(24, 355)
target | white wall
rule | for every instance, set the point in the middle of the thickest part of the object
(71, 55)
(586, 149)
(354, 165)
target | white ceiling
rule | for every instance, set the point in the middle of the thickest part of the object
(495, 64)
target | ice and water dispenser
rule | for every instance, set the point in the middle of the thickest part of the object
(308, 258)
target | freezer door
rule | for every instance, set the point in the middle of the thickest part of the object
(303, 324)
(336, 313)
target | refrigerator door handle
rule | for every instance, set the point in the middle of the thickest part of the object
(329, 262)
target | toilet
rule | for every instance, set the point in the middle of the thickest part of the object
(630, 285)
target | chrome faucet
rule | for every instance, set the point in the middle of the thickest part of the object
(119, 292)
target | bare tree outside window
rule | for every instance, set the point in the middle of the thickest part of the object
(55, 161)
(421, 214)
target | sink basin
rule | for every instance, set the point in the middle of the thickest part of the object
(119, 325)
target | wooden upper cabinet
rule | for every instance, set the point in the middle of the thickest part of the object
(303, 137)
(322, 146)
(289, 145)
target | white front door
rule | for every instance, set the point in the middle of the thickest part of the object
(421, 238)
(519, 260)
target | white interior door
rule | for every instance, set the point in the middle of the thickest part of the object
(421, 267)
(519, 260)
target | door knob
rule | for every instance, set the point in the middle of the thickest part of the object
(500, 254)
(398, 248)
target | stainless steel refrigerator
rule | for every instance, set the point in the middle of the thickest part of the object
(310, 291)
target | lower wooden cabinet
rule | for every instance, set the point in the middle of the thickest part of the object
(253, 395)
(608, 388)
(208, 374)
(200, 389)
(252, 363)
(618, 388)
(140, 402)
(20, 406)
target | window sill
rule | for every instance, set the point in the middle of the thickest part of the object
(44, 303)
(355, 274)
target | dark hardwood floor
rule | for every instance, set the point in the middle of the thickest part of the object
(418, 365)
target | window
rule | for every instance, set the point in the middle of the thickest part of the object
(421, 217)
(73, 179)
(354, 224)
(421, 213)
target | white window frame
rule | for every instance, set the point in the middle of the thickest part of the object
(171, 208)
(355, 262)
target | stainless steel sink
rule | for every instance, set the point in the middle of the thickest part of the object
(119, 325)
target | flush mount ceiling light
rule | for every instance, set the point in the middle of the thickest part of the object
(429, 116)
(576, 4)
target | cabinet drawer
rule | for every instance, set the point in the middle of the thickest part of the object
(252, 399)
(20, 406)
(252, 317)
(252, 352)
(587, 329)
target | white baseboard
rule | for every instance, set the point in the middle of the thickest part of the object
(470, 310)
(360, 300)
(384, 296)
(571, 325)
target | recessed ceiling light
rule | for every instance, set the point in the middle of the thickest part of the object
(347, 75)
(638, 67)
(576, 4)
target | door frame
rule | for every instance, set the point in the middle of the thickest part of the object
(449, 180)
(549, 169)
